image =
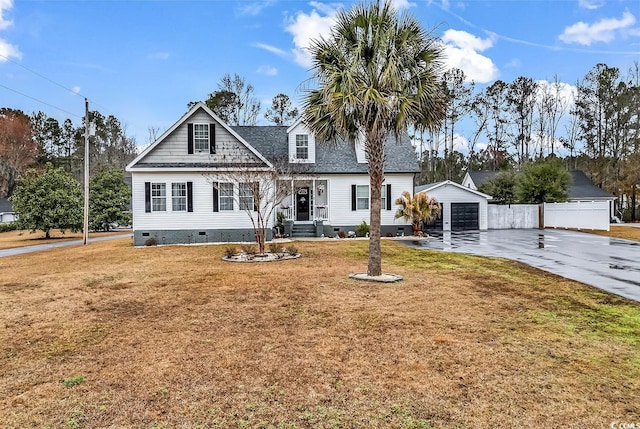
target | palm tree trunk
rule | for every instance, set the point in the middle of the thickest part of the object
(375, 159)
(375, 255)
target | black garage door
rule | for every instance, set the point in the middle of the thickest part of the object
(464, 216)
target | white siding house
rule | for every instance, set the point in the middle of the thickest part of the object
(181, 192)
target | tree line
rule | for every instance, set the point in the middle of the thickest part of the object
(593, 126)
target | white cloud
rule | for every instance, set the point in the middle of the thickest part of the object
(272, 49)
(591, 4)
(461, 52)
(254, 8)
(8, 51)
(75, 89)
(307, 27)
(268, 70)
(4, 6)
(604, 30)
(402, 4)
(565, 92)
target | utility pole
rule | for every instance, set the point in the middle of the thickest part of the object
(85, 228)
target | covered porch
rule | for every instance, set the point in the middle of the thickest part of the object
(307, 201)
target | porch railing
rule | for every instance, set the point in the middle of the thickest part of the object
(320, 212)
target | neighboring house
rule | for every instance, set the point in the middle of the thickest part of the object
(175, 201)
(581, 188)
(462, 208)
(587, 206)
(6, 211)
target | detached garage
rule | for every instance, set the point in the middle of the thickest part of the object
(463, 209)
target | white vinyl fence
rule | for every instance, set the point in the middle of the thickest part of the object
(513, 216)
(580, 215)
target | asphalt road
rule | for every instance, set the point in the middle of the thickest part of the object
(607, 263)
(54, 245)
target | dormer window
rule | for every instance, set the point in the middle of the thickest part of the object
(302, 146)
(201, 137)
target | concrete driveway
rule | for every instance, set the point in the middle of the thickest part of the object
(607, 263)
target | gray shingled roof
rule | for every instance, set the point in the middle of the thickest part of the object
(479, 177)
(272, 143)
(581, 187)
(5, 206)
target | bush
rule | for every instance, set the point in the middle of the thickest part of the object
(151, 241)
(363, 229)
(276, 248)
(249, 249)
(230, 252)
(6, 227)
(292, 250)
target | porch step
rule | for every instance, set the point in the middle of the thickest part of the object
(303, 230)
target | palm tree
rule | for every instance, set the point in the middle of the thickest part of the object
(417, 209)
(377, 74)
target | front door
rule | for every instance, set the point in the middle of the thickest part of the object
(302, 204)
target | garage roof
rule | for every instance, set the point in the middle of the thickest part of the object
(431, 186)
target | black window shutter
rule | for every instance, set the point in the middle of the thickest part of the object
(189, 196)
(388, 196)
(189, 138)
(212, 138)
(147, 197)
(215, 197)
(353, 197)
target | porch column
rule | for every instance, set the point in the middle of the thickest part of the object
(313, 195)
(293, 201)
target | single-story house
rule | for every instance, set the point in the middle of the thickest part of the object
(6, 211)
(181, 191)
(462, 208)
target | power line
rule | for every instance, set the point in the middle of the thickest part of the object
(40, 101)
(40, 75)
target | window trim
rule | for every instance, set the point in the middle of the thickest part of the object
(361, 199)
(302, 145)
(158, 196)
(199, 145)
(228, 198)
(179, 201)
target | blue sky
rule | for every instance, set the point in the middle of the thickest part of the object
(144, 60)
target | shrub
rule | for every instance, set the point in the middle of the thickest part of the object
(230, 252)
(276, 248)
(151, 241)
(362, 230)
(292, 250)
(249, 249)
(6, 227)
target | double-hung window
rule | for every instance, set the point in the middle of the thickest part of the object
(302, 146)
(225, 194)
(201, 137)
(179, 197)
(245, 195)
(362, 197)
(158, 197)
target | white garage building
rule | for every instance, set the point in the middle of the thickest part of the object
(462, 208)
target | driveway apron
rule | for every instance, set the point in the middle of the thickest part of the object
(607, 263)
